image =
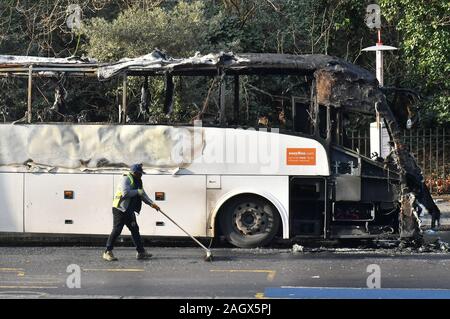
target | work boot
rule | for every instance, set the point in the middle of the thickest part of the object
(109, 256)
(143, 255)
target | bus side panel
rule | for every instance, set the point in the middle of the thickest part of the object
(183, 199)
(11, 202)
(87, 212)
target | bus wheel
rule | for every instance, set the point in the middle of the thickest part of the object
(249, 221)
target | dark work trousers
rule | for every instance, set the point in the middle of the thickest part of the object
(120, 219)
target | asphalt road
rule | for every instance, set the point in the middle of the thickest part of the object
(235, 273)
(181, 272)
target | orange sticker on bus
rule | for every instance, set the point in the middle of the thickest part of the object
(301, 156)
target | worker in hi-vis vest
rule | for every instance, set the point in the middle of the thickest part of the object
(128, 199)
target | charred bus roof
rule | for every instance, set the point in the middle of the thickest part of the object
(229, 63)
(212, 64)
(338, 83)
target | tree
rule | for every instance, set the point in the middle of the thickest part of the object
(39, 27)
(114, 29)
(424, 41)
(137, 32)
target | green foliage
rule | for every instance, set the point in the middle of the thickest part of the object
(137, 32)
(425, 35)
(39, 27)
(424, 42)
(279, 26)
(114, 29)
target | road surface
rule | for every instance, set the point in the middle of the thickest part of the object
(180, 272)
(52, 272)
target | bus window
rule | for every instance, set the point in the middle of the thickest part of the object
(323, 121)
(301, 116)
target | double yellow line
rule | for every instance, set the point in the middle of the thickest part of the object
(116, 269)
(20, 272)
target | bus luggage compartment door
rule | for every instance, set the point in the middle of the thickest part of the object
(182, 197)
(68, 203)
(11, 199)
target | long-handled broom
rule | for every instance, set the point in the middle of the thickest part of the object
(208, 256)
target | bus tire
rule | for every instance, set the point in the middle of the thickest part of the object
(249, 221)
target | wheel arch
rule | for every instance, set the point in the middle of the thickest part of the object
(281, 210)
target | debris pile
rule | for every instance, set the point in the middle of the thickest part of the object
(413, 246)
(297, 248)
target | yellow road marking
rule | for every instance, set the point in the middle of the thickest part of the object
(116, 269)
(19, 282)
(28, 287)
(260, 295)
(10, 269)
(19, 271)
(270, 273)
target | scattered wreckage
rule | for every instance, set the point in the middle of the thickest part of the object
(330, 192)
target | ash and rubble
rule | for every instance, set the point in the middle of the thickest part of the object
(430, 240)
(431, 244)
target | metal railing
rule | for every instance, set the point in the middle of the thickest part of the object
(430, 147)
(360, 141)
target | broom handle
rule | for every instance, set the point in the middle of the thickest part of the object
(195, 239)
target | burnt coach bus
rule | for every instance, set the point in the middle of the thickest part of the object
(287, 171)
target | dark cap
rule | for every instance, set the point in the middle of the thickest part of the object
(137, 168)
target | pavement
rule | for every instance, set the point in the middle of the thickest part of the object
(444, 205)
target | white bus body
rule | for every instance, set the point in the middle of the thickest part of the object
(197, 169)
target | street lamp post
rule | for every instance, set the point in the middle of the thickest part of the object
(378, 139)
(379, 48)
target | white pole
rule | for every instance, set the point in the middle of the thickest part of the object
(377, 144)
(30, 92)
(380, 78)
(379, 67)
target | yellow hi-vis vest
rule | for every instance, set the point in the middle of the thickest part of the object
(118, 196)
